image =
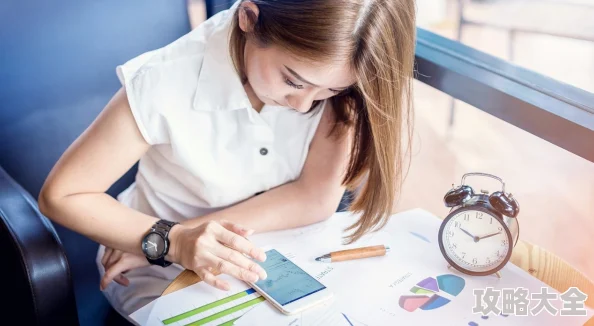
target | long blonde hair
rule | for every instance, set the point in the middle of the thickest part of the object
(377, 39)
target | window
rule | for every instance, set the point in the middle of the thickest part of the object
(551, 37)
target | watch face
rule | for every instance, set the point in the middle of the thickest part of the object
(153, 246)
(475, 241)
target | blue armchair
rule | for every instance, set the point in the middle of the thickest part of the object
(57, 71)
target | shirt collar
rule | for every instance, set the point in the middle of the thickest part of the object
(219, 86)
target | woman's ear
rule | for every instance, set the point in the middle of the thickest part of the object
(248, 15)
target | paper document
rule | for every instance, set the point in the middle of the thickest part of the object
(323, 315)
(203, 304)
(411, 285)
(141, 316)
(415, 286)
(351, 281)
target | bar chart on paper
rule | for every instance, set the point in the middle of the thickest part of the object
(221, 312)
(200, 305)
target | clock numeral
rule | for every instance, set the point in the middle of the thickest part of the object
(457, 224)
(463, 254)
(500, 228)
(474, 260)
(504, 242)
(479, 215)
(454, 245)
(450, 233)
(467, 217)
(488, 261)
(491, 221)
(497, 253)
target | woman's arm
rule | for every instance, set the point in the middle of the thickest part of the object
(313, 197)
(73, 194)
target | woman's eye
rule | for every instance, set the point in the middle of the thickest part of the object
(339, 92)
(290, 83)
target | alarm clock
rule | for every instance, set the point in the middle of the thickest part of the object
(480, 231)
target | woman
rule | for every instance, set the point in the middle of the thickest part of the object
(257, 120)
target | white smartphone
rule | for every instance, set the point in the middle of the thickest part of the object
(288, 287)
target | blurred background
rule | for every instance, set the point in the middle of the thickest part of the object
(555, 188)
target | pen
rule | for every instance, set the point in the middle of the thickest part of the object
(350, 254)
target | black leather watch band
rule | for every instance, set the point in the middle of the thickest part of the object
(160, 230)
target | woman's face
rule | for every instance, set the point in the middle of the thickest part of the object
(277, 78)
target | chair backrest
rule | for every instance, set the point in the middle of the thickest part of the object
(57, 72)
(215, 6)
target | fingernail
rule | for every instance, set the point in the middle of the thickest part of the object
(264, 275)
(246, 231)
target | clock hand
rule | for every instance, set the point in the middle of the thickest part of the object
(489, 235)
(472, 236)
(154, 245)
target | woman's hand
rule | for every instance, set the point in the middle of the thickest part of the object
(116, 263)
(217, 246)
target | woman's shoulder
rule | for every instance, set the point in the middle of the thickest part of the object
(175, 62)
(173, 72)
(185, 54)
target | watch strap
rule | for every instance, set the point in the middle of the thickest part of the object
(160, 261)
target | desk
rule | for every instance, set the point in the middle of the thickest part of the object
(542, 264)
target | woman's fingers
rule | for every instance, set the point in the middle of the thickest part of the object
(222, 247)
(212, 280)
(116, 255)
(125, 263)
(248, 267)
(106, 255)
(239, 243)
(229, 268)
(121, 279)
(110, 274)
(237, 228)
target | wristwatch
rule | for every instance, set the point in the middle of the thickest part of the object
(155, 243)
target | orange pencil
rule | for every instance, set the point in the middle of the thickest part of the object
(350, 254)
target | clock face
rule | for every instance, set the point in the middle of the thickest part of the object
(475, 241)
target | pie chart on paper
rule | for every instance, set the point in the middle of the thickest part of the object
(432, 293)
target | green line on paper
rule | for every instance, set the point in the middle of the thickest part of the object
(227, 312)
(206, 307)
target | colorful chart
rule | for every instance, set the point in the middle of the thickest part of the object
(432, 293)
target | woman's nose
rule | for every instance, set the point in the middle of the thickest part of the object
(301, 103)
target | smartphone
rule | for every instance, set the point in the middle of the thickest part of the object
(288, 287)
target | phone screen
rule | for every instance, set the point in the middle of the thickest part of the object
(286, 282)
